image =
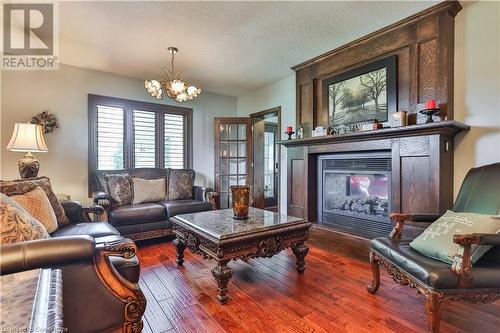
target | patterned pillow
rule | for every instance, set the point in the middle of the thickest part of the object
(148, 190)
(38, 205)
(119, 187)
(436, 241)
(16, 187)
(180, 184)
(16, 224)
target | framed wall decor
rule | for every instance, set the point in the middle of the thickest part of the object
(366, 93)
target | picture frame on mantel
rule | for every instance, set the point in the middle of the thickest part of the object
(362, 94)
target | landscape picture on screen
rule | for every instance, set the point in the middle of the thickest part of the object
(360, 98)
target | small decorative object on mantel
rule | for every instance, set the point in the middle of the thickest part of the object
(319, 131)
(399, 119)
(241, 201)
(47, 120)
(300, 133)
(290, 132)
(356, 127)
(430, 110)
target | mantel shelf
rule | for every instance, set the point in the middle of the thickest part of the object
(448, 127)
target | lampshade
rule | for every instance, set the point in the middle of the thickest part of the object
(27, 137)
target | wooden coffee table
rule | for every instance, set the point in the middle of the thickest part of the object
(217, 235)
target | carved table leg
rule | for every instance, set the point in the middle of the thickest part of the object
(300, 251)
(372, 289)
(222, 275)
(180, 246)
(433, 305)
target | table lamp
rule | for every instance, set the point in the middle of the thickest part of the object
(28, 138)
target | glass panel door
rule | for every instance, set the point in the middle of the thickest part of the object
(232, 156)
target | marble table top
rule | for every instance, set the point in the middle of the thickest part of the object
(220, 224)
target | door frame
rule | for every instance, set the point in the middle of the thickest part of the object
(267, 113)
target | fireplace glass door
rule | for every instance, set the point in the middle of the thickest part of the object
(358, 194)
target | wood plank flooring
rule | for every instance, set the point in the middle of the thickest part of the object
(268, 295)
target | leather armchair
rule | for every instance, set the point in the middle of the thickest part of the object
(437, 281)
(97, 296)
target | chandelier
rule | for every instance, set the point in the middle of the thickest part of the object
(176, 89)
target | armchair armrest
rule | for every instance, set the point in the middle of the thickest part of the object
(45, 253)
(101, 198)
(77, 213)
(462, 265)
(400, 219)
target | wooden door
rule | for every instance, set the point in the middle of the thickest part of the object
(233, 156)
(266, 165)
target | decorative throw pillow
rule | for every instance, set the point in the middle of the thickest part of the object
(16, 224)
(119, 187)
(38, 205)
(437, 240)
(22, 186)
(148, 190)
(180, 184)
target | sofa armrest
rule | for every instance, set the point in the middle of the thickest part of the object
(101, 198)
(77, 213)
(200, 193)
(462, 265)
(45, 253)
(399, 220)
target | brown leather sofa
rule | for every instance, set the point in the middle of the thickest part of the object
(147, 220)
(99, 269)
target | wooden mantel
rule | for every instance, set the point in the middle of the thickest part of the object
(449, 127)
(421, 166)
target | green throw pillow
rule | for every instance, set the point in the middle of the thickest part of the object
(437, 240)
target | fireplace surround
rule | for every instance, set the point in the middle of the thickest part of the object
(355, 192)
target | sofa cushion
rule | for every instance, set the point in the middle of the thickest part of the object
(119, 187)
(433, 273)
(133, 214)
(148, 190)
(176, 207)
(180, 184)
(22, 186)
(437, 243)
(38, 205)
(94, 229)
(16, 224)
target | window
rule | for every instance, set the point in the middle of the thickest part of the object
(125, 134)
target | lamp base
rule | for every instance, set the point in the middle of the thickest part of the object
(28, 166)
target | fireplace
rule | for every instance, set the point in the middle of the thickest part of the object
(354, 192)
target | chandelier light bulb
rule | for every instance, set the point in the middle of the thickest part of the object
(178, 86)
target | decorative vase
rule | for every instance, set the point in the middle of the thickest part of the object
(241, 201)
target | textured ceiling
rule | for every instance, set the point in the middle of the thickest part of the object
(225, 47)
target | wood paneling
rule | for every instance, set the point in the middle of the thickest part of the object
(297, 181)
(423, 44)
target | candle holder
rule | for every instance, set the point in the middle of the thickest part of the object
(290, 133)
(429, 113)
(241, 201)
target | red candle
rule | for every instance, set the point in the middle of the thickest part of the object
(430, 104)
(289, 129)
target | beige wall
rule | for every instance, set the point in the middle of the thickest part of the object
(477, 91)
(64, 93)
(477, 86)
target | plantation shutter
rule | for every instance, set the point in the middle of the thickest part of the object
(110, 135)
(175, 136)
(144, 139)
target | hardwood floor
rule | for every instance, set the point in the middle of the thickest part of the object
(268, 295)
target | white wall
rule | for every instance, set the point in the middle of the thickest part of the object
(477, 91)
(280, 93)
(64, 93)
(477, 86)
